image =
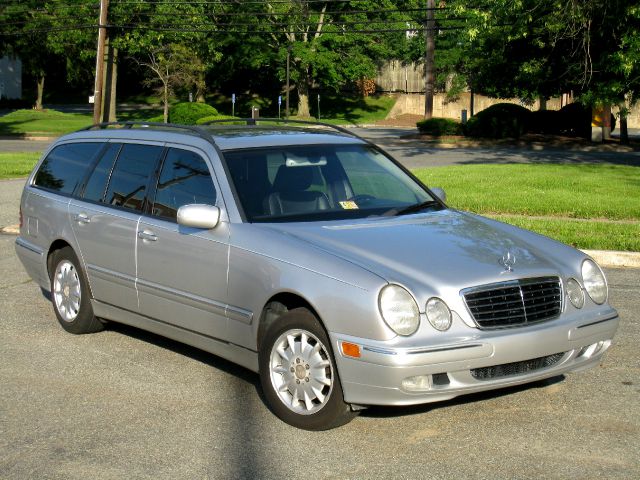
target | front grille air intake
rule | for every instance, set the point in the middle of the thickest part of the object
(514, 303)
(516, 368)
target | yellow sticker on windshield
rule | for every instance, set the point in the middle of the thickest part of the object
(349, 205)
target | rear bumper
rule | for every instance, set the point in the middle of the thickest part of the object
(448, 371)
(34, 261)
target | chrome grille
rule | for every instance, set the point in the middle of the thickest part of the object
(515, 303)
(516, 368)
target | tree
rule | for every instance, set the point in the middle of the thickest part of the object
(321, 39)
(171, 67)
(24, 36)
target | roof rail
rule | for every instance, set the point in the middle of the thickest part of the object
(130, 124)
(255, 121)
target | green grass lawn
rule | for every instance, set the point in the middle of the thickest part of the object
(607, 196)
(602, 191)
(42, 122)
(15, 165)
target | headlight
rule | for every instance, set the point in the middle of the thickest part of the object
(399, 310)
(438, 314)
(594, 281)
(575, 293)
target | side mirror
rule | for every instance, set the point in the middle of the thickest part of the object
(199, 216)
(440, 193)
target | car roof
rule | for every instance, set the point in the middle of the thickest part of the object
(225, 137)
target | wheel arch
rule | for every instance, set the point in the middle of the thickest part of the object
(278, 305)
(56, 245)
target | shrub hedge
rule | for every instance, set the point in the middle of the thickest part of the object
(188, 113)
(502, 120)
(440, 126)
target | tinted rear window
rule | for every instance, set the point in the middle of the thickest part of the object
(130, 177)
(64, 168)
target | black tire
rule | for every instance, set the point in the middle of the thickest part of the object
(325, 410)
(70, 295)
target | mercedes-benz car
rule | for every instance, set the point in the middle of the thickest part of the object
(308, 255)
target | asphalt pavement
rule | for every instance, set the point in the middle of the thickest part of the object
(124, 403)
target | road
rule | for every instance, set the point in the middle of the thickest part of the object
(128, 404)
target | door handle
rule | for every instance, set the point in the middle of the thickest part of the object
(82, 218)
(147, 235)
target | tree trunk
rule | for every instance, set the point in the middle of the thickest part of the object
(38, 105)
(543, 103)
(114, 83)
(165, 101)
(429, 68)
(201, 88)
(624, 132)
(303, 100)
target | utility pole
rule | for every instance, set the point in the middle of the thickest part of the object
(287, 96)
(429, 78)
(102, 36)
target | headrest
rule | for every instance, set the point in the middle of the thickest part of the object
(293, 179)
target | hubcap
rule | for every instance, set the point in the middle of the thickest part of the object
(66, 290)
(301, 371)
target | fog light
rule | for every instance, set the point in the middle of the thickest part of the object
(593, 349)
(418, 383)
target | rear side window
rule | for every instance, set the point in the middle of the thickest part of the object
(130, 177)
(64, 168)
(97, 183)
(184, 180)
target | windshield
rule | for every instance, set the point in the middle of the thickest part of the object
(322, 182)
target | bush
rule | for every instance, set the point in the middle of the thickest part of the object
(188, 113)
(156, 119)
(211, 118)
(545, 121)
(439, 127)
(575, 120)
(502, 120)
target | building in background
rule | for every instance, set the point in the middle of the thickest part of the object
(10, 78)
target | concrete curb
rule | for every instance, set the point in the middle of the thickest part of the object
(604, 258)
(607, 258)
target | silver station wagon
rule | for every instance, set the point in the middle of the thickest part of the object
(308, 255)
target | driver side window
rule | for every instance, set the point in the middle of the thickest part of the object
(184, 179)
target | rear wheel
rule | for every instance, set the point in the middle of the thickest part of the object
(298, 373)
(70, 294)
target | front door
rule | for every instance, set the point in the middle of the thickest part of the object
(182, 272)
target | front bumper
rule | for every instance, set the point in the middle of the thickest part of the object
(450, 370)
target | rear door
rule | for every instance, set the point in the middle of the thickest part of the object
(105, 219)
(182, 272)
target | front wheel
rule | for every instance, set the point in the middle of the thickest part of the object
(299, 376)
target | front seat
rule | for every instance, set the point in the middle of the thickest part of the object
(289, 194)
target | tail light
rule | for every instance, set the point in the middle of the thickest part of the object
(20, 216)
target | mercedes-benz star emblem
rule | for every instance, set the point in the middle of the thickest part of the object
(508, 260)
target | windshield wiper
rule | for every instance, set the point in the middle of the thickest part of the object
(411, 208)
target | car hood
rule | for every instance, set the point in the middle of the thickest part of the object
(437, 251)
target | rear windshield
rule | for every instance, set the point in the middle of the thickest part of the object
(320, 182)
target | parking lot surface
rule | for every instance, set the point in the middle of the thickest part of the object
(124, 403)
